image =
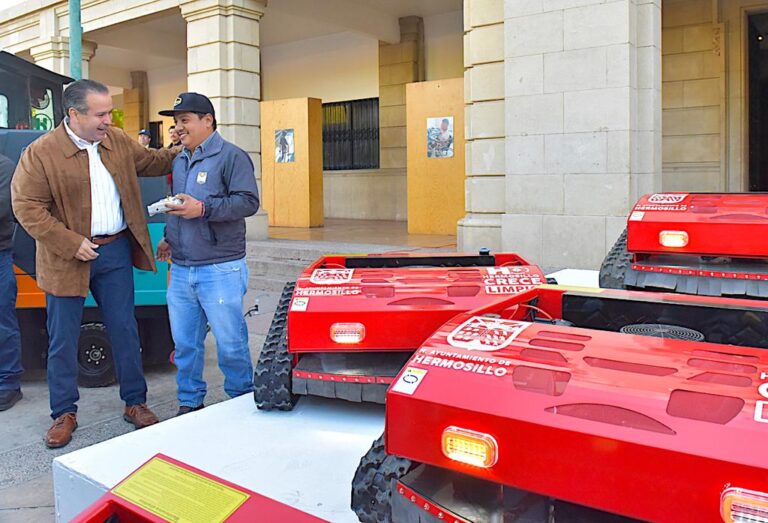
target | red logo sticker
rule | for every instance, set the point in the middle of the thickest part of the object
(331, 276)
(666, 198)
(486, 334)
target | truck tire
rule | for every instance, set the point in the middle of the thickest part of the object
(96, 366)
(272, 377)
(615, 264)
(373, 483)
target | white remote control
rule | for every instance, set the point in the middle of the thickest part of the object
(160, 207)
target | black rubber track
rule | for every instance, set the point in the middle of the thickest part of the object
(272, 377)
(615, 264)
(373, 483)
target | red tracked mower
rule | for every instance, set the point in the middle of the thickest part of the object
(693, 243)
(349, 323)
(560, 405)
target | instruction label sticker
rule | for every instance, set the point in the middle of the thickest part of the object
(331, 276)
(300, 304)
(180, 495)
(636, 216)
(486, 334)
(409, 380)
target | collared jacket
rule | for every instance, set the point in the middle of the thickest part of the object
(51, 194)
(6, 216)
(221, 175)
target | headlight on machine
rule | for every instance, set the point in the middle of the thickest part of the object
(347, 333)
(470, 447)
(741, 505)
(673, 238)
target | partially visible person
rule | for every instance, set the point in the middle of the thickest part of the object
(144, 138)
(10, 339)
(89, 242)
(174, 136)
(205, 239)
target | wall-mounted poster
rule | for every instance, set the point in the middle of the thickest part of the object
(440, 137)
(284, 146)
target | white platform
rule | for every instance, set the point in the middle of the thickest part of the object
(305, 458)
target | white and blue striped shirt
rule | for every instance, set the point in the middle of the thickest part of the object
(106, 210)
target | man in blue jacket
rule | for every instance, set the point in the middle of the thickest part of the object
(205, 240)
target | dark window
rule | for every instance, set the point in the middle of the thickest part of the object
(351, 135)
(156, 130)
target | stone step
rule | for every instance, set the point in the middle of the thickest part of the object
(261, 283)
(276, 268)
(286, 250)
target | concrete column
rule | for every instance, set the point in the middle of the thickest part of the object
(399, 64)
(53, 54)
(89, 51)
(583, 124)
(223, 63)
(484, 125)
(136, 104)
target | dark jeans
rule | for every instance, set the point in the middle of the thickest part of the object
(112, 287)
(10, 339)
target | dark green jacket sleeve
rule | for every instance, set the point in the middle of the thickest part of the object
(6, 214)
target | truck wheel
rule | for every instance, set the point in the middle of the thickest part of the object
(373, 483)
(615, 264)
(272, 377)
(96, 367)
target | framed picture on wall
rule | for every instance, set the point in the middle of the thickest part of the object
(284, 146)
(440, 137)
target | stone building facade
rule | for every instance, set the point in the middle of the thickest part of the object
(574, 108)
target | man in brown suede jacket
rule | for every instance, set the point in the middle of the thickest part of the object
(75, 191)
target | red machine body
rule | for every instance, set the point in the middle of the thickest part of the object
(716, 224)
(255, 507)
(398, 306)
(693, 243)
(643, 427)
(349, 323)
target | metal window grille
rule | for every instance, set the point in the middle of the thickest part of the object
(351, 135)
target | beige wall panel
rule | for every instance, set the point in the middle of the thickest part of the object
(697, 120)
(685, 12)
(692, 96)
(691, 148)
(293, 191)
(435, 185)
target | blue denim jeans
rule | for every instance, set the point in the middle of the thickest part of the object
(112, 286)
(10, 339)
(209, 295)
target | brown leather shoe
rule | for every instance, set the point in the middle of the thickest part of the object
(61, 431)
(140, 416)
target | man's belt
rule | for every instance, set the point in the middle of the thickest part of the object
(109, 238)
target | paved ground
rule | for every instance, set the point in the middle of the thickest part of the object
(26, 485)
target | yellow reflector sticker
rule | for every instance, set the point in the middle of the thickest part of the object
(470, 447)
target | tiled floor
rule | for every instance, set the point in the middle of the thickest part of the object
(364, 231)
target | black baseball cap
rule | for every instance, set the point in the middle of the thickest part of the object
(191, 103)
(145, 133)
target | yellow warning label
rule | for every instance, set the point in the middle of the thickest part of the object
(179, 495)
